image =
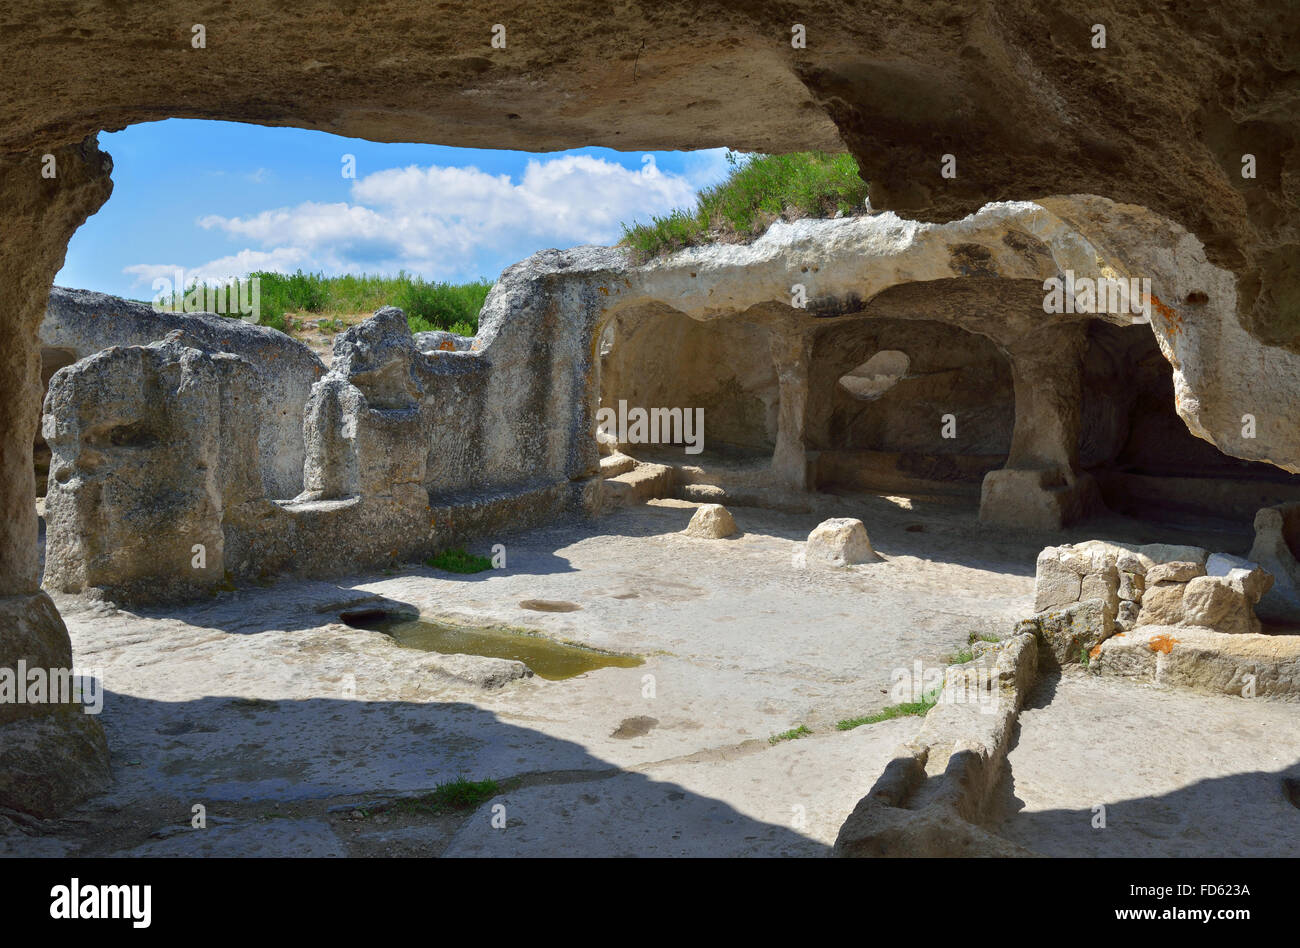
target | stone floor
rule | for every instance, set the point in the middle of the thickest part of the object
(287, 725)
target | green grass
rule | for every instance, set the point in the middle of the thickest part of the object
(922, 707)
(458, 561)
(458, 794)
(791, 735)
(759, 190)
(428, 305)
(961, 657)
(981, 637)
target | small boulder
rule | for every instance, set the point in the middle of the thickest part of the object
(1131, 586)
(1162, 604)
(711, 522)
(1157, 553)
(1175, 572)
(1127, 615)
(1058, 579)
(1252, 579)
(840, 541)
(1212, 603)
(1070, 633)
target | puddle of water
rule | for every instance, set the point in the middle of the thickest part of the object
(548, 659)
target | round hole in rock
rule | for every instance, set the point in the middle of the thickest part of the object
(364, 617)
(549, 605)
(877, 375)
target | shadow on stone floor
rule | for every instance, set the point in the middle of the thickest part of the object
(1244, 814)
(239, 757)
(1241, 815)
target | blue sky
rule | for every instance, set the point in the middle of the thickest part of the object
(220, 199)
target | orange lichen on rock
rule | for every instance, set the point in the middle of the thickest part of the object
(447, 345)
(1162, 643)
(1096, 651)
(1168, 313)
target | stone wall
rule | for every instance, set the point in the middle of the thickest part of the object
(79, 323)
(1086, 593)
(156, 489)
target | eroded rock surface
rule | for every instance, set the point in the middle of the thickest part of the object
(79, 323)
(899, 91)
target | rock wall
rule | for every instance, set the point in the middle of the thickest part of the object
(662, 358)
(392, 433)
(79, 323)
(51, 755)
(156, 487)
(152, 449)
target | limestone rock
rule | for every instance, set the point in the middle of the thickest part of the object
(1212, 603)
(1175, 572)
(151, 446)
(1252, 579)
(1131, 586)
(1277, 534)
(440, 341)
(1162, 604)
(1160, 553)
(612, 465)
(711, 521)
(52, 756)
(1127, 614)
(1058, 580)
(52, 762)
(840, 541)
(79, 323)
(1242, 665)
(1069, 633)
(1041, 500)
(1101, 582)
(1181, 594)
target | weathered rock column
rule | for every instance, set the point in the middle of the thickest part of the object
(791, 357)
(51, 755)
(1041, 486)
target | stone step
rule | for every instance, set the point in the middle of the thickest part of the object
(644, 482)
(615, 464)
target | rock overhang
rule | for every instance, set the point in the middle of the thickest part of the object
(1161, 113)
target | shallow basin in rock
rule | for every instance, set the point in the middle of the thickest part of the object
(548, 659)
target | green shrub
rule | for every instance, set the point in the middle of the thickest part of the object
(442, 305)
(428, 306)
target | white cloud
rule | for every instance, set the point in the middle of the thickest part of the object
(240, 264)
(455, 221)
